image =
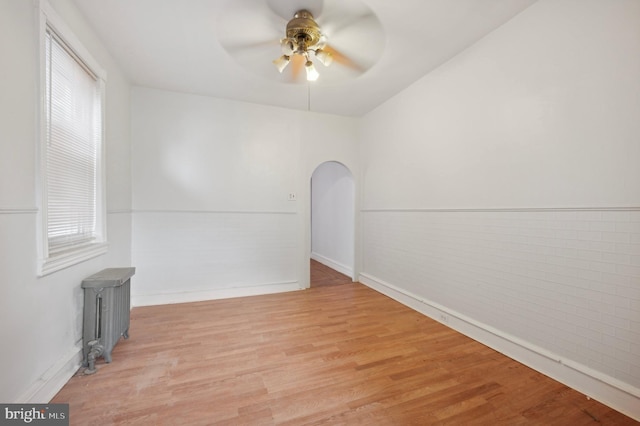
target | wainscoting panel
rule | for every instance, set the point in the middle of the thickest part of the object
(189, 256)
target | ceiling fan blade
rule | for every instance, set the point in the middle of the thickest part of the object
(358, 43)
(297, 68)
(247, 45)
(342, 59)
(333, 25)
(247, 22)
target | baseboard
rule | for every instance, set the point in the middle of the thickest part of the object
(199, 296)
(612, 392)
(50, 383)
(336, 266)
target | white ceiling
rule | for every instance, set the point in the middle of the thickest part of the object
(178, 45)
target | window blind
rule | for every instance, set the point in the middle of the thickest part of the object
(73, 140)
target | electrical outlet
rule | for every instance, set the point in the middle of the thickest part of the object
(292, 196)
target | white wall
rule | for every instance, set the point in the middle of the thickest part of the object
(41, 318)
(501, 194)
(332, 217)
(212, 178)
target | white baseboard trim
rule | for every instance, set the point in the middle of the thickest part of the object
(337, 266)
(199, 296)
(50, 383)
(610, 391)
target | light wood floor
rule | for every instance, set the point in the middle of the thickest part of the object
(333, 354)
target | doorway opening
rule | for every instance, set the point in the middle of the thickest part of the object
(332, 224)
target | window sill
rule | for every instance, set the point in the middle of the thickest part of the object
(70, 258)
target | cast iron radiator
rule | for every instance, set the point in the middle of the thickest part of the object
(106, 313)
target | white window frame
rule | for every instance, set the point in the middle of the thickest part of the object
(47, 262)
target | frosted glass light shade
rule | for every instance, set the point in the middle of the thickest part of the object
(312, 73)
(282, 62)
(325, 57)
(288, 46)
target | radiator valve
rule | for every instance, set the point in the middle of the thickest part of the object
(95, 350)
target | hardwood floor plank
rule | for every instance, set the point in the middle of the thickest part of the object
(337, 353)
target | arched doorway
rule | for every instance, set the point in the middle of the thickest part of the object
(333, 217)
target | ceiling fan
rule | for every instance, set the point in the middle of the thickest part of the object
(345, 33)
(304, 36)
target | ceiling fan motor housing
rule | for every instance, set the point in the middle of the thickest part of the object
(303, 28)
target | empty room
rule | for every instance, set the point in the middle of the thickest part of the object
(320, 211)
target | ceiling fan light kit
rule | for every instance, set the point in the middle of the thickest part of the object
(303, 35)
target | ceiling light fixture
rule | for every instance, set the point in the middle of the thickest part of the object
(312, 72)
(282, 62)
(303, 36)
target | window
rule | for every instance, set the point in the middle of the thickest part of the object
(72, 207)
